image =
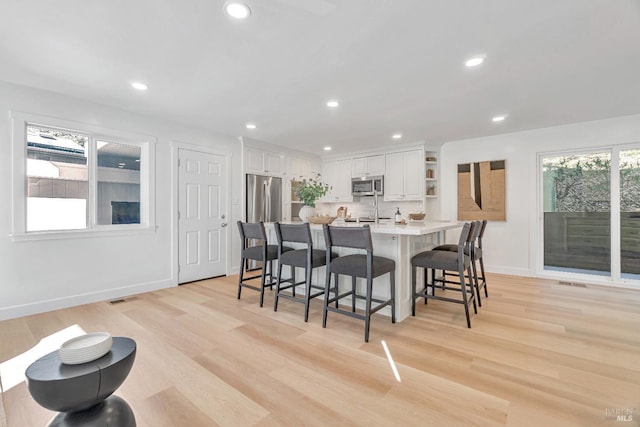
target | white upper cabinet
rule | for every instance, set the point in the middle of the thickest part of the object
(263, 162)
(404, 176)
(300, 167)
(337, 173)
(368, 166)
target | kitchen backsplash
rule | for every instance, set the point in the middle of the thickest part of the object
(365, 208)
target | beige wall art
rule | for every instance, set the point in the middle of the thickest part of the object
(481, 191)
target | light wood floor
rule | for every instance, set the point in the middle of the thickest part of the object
(538, 354)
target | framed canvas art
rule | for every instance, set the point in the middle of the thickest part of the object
(481, 191)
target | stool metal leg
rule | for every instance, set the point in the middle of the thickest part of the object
(263, 278)
(484, 278)
(367, 320)
(241, 276)
(307, 289)
(413, 289)
(392, 280)
(278, 280)
(326, 298)
(464, 295)
(353, 294)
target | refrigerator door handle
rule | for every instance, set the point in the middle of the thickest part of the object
(267, 204)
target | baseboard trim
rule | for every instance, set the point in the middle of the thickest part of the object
(36, 307)
(510, 271)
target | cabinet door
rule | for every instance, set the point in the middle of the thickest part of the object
(299, 167)
(413, 175)
(337, 173)
(273, 163)
(329, 176)
(375, 165)
(286, 200)
(344, 180)
(359, 167)
(254, 161)
(393, 177)
(367, 166)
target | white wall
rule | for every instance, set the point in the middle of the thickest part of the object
(512, 246)
(36, 276)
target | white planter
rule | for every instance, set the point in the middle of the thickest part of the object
(306, 212)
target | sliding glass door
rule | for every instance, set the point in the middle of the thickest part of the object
(591, 213)
(630, 214)
(577, 213)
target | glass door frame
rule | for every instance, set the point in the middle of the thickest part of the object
(615, 279)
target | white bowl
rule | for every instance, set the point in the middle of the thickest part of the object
(85, 348)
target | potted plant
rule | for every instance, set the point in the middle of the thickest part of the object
(309, 191)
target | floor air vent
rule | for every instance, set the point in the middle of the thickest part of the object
(576, 284)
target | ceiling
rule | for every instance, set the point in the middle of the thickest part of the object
(394, 65)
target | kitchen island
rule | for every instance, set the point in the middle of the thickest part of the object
(396, 241)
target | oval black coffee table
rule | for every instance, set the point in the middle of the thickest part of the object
(82, 393)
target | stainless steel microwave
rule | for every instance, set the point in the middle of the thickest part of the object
(366, 185)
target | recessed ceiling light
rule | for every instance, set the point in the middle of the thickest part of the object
(250, 126)
(499, 118)
(327, 148)
(138, 160)
(237, 10)
(474, 62)
(139, 86)
(333, 103)
(396, 136)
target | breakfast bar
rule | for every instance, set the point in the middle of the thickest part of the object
(396, 241)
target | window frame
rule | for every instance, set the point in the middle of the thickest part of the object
(147, 143)
(615, 277)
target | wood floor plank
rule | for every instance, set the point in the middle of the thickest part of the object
(539, 353)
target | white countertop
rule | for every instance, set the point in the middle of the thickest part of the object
(412, 228)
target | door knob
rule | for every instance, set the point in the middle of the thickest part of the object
(224, 224)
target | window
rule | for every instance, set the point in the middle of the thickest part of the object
(70, 177)
(591, 213)
(57, 179)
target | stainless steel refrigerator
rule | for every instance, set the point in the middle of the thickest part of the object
(264, 198)
(263, 203)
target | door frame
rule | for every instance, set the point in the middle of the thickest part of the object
(175, 205)
(615, 278)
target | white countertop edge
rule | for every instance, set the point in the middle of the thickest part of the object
(409, 229)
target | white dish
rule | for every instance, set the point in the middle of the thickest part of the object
(85, 348)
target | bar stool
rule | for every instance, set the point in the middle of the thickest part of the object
(263, 252)
(365, 265)
(307, 258)
(459, 261)
(479, 279)
(482, 282)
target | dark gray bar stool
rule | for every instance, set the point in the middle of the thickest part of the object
(262, 252)
(364, 265)
(479, 279)
(307, 258)
(459, 261)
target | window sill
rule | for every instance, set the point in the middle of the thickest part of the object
(80, 234)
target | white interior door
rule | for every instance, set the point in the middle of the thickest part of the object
(202, 223)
